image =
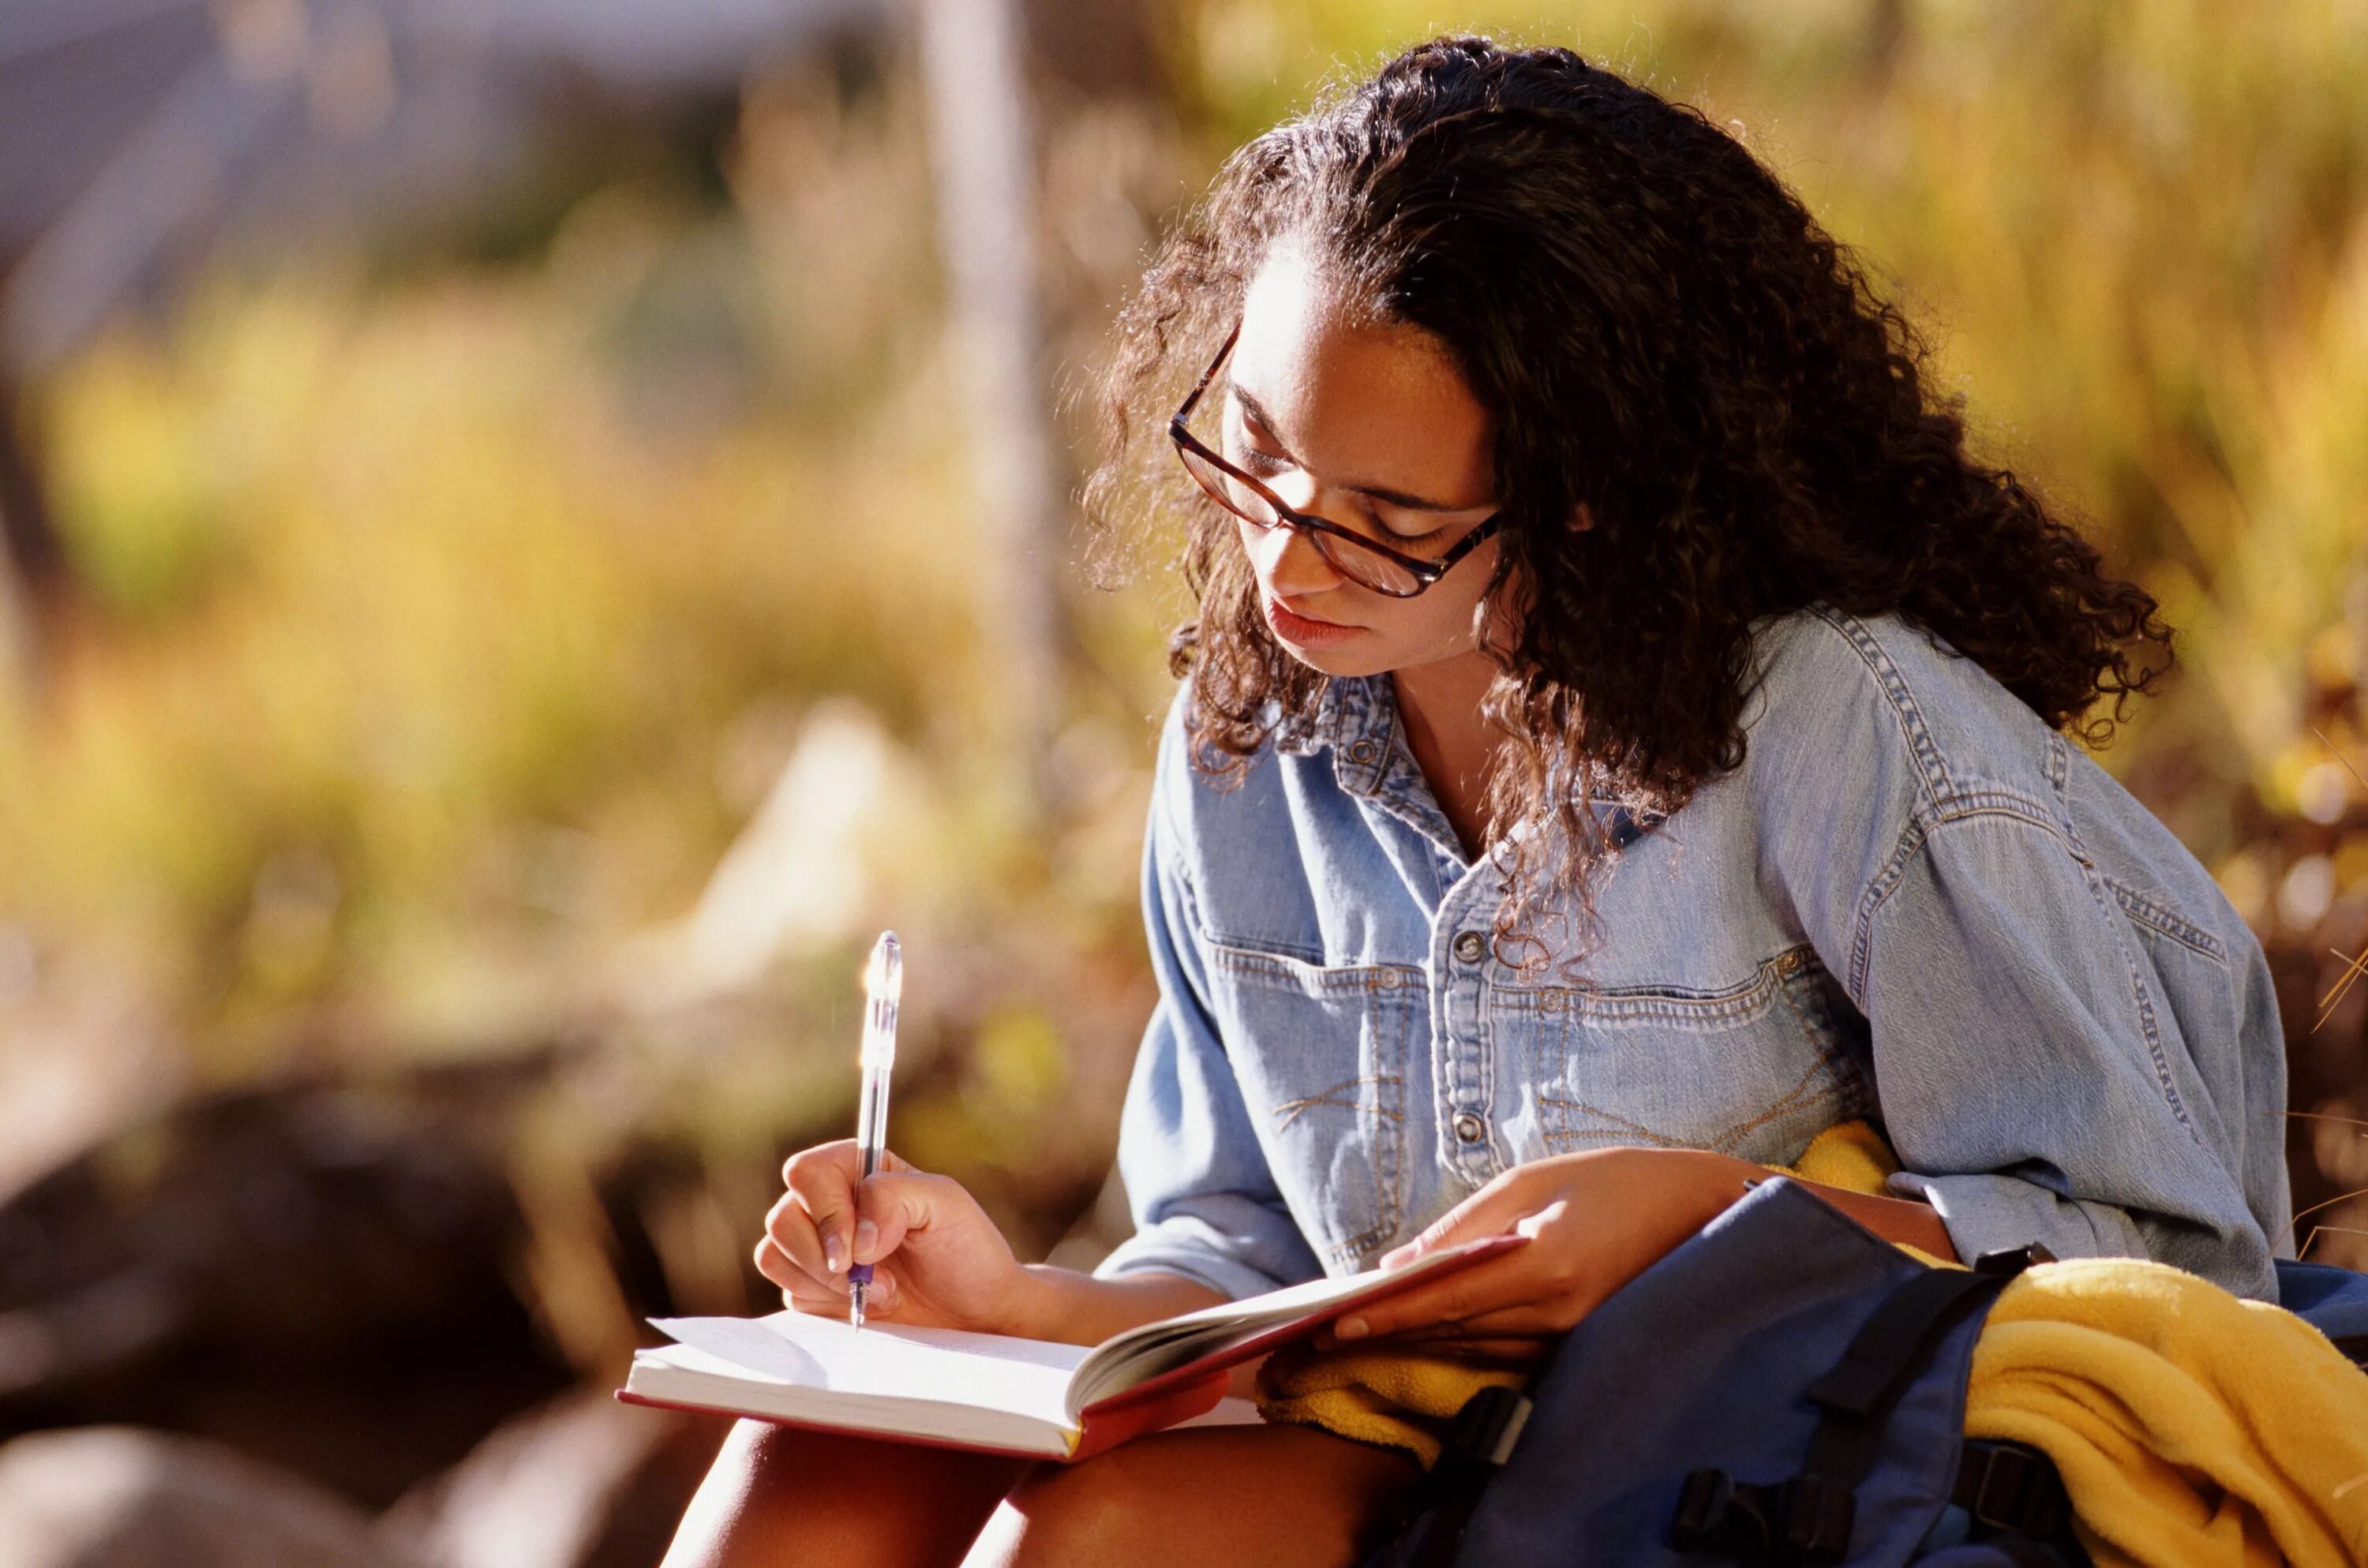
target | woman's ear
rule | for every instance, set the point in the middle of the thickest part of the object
(1581, 519)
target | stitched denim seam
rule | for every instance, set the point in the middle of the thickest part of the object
(1389, 1140)
(1621, 1125)
(1912, 839)
(2059, 774)
(1915, 839)
(1841, 1080)
(1828, 1055)
(1745, 999)
(2001, 802)
(1292, 1111)
(1326, 980)
(1249, 950)
(1389, 1134)
(1870, 903)
(1354, 1249)
(1486, 1063)
(1391, 1027)
(2160, 918)
(1933, 771)
(1394, 779)
(1798, 1097)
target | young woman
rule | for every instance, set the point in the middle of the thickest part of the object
(1624, 734)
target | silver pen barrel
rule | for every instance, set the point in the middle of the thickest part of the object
(883, 988)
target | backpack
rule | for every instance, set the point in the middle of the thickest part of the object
(1785, 1389)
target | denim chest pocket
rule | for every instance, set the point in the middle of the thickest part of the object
(1754, 1069)
(1320, 1052)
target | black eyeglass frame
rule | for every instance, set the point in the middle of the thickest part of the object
(1426, 572)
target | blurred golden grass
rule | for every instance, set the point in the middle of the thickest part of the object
(426, 613)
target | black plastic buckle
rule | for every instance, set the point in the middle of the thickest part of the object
(1714, 1514)
(1488, 1425)
(2011, 1261)
(1805, 1520)
(2006, 1486)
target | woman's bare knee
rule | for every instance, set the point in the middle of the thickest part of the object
(777, 1497)
(1273, 1495)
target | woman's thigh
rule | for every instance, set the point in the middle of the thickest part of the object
(1277, 1496)
(778, 1497)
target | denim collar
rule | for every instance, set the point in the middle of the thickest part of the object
(1356, 718)
(1348, 710)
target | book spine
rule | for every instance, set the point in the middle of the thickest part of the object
(1128, 1415)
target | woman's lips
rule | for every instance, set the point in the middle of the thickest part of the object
(1303, 630)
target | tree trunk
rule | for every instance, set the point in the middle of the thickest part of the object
(34, 586)
(984, 157)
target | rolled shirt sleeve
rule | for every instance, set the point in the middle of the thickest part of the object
(2030, 1079)
(1204, 1202)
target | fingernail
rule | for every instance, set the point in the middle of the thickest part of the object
(1352, 1328)
(867, 1236)
(833, 1255)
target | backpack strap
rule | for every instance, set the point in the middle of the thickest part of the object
(1807, 1519)
(1476, 1444)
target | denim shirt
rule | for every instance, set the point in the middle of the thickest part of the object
(1913, 901)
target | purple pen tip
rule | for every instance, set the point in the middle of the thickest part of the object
(885, 974)
(859, 1274)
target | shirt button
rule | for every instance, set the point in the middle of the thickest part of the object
(1361, 752)
(1470, 946)
(1470, 1127)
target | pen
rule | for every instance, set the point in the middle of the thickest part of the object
(883, 986)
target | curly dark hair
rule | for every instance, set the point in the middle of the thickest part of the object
(1662, 335)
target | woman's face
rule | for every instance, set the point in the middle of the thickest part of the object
(1370, 426)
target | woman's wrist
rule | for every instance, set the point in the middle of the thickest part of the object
(1704, 1183)
(1067, 1307)
(1717, 1181)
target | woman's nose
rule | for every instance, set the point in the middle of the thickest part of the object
(1289, 562)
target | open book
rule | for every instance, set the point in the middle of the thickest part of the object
(953, 1389)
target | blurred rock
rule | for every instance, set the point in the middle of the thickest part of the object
(122, 1497)
(316, 1274)
(581, 1482)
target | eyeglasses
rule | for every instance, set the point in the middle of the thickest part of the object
(1363, 561)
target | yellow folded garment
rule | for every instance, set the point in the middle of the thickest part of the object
(1851, 1156)
(2191, 1426)
(1395, 1398)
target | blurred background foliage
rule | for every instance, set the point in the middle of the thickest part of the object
(546, 629)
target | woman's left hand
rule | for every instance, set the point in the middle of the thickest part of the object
(1595, 1221)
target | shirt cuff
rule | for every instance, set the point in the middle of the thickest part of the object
(1986, 1213)
(1192, 1248)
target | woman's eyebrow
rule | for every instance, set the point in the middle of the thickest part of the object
(1398, 498)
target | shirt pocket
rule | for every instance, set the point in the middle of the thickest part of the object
(1756, 1068)
(1320, 1052)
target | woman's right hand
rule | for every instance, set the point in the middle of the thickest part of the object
(938, 1260)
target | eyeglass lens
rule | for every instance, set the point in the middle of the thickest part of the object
(1347, 557)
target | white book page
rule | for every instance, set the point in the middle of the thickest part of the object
(933, 1366)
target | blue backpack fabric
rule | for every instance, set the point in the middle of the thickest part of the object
(2333, 1301)
(1786, 1390)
